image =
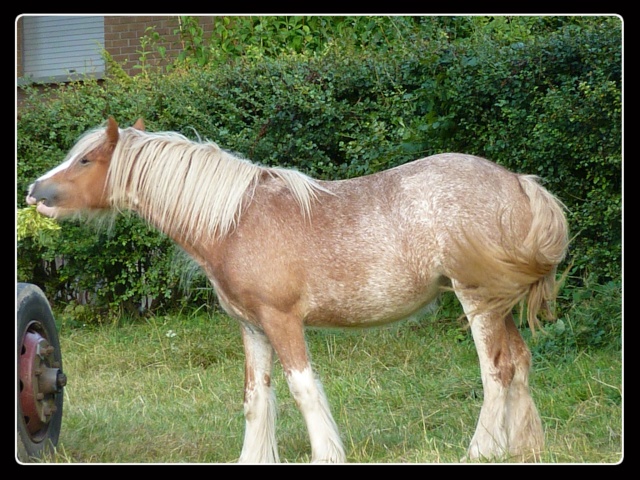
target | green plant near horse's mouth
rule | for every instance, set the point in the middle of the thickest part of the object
(31, 224)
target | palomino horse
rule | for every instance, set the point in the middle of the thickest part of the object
(284, 251)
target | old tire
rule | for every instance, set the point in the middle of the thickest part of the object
(40, 379)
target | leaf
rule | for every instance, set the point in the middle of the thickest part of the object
(31, 224)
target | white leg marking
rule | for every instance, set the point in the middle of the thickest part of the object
(509, 423)
(260, 445)
(326, 446)
(490, 437)
(523, 423)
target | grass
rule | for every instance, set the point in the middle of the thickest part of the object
(169, 390)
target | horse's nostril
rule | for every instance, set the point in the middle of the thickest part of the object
(40, 193)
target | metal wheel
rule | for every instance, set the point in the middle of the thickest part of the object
(39, 374)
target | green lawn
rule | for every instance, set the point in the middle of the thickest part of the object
(170, 390)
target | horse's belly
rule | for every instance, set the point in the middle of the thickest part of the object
(349, 305)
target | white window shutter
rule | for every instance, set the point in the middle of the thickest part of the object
(59, 48)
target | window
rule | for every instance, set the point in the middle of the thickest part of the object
(60, 48)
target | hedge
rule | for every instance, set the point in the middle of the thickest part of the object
(548, 104)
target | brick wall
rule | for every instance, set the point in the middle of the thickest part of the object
(122, 36)
(19, 68)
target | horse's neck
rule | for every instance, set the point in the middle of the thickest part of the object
(208, 255)
(201, 197)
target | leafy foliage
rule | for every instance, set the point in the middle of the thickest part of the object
(338, 97)
(32, 224)
(592, 318)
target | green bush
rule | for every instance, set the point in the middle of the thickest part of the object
(551, 107)
(591, 319)
(538, 95)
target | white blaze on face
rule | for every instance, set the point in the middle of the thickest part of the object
(50, 173)
(42, 208)
(59, 168)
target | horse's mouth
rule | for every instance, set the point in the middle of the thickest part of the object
(42, 208)
(47, 211)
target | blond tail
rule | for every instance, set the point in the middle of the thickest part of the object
(506, 273)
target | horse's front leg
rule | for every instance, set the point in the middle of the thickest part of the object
(286, 334)
(260, 444)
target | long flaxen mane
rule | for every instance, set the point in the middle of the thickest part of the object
(195, 188)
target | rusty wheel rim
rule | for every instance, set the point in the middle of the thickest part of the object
(40, 380)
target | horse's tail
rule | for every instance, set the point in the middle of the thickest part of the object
(503, 274)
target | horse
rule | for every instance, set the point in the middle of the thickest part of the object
(284, 251)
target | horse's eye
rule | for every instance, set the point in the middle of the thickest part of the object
(84, 161)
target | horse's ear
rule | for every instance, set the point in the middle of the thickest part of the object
(112, 131)
(139, 125)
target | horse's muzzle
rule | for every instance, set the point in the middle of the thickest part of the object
(44, 195)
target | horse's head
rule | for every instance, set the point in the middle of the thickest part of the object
(79, 183)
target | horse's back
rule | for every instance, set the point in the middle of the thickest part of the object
(437, 195)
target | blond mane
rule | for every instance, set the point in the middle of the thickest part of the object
(195, 188)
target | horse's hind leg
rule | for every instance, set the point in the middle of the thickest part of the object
(286, 334)
(524, 427)
(260, 444)
(509, 424)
